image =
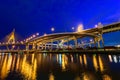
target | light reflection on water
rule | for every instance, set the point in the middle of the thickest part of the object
(45, 66)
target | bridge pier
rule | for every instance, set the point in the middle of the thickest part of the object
(102, 41)
(100, 33)
(38, 47)
(76, 43)
(51, 45)
(27, 47)
(67, 43)
(98, 44)
(42, 46)
(97, 39)
(94, 42)
(34, 46)
(58, 44)
(82, 45)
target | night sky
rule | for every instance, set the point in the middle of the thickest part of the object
(31, 16)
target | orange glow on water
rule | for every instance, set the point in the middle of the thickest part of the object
(85, 60)
(64, 61)
(80, 59)
(95, 64)
(51, 77)
(101, 64)
(3, 69)
(106, 77)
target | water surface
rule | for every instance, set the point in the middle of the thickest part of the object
(38, 66)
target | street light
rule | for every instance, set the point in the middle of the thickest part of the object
(37, 34)
(80, 28)
(52, 29)
(34, 36)
(96, 26)
(100, 25)
(73, 28)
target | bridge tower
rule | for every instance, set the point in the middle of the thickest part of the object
(11, 40)
(11, 37)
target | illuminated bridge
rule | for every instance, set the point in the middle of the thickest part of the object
(58, 39)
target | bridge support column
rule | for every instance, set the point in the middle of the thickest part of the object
(94, 42)
(51, 45)
(76, 43)
(38, 47)
(42, 46)
(97, 39)
(101, 38)
(34, 46)
(98, 44)
(100, 33)
(67, 43)
(58, 46)
(102, 41)
(27, 47)
(82, 45)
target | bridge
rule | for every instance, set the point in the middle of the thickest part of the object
(58, 39)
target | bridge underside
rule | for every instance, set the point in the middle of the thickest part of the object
(60, 36)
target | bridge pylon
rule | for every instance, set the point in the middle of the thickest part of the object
(11, 37)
